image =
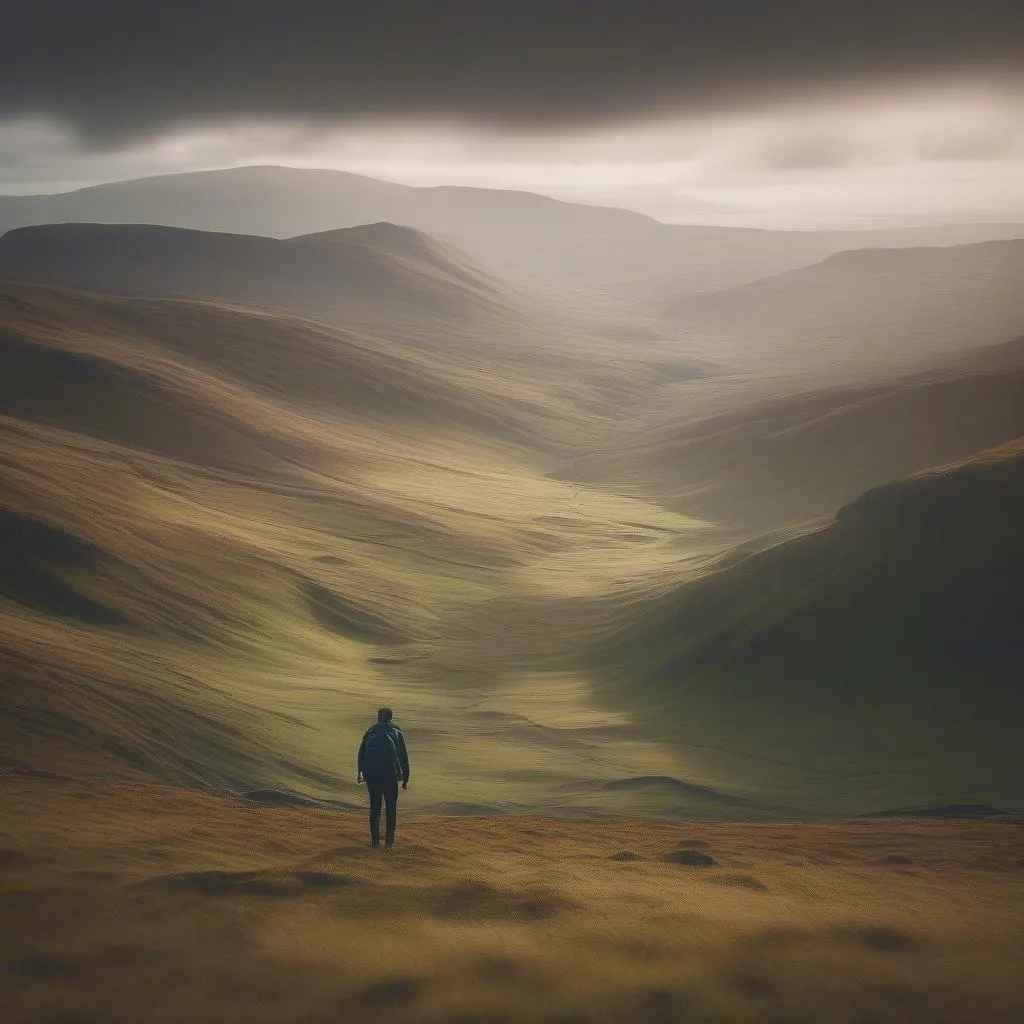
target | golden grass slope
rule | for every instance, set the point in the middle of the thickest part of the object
(123, 899)
(251, 364)
(229, 535)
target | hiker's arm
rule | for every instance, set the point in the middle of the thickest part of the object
(360, 758)
(403, 757)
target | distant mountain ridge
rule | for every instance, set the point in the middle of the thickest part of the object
(878, 305)
(531, 239)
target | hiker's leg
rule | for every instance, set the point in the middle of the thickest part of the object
(376, 795)
(391, 812)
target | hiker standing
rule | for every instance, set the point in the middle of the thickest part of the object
(383, 762)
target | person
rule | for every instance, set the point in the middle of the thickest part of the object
(383, 762)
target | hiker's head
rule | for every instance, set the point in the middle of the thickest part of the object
(384, 714)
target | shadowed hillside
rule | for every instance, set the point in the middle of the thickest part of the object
(214, 527)
(869, 306)
(880, 654)
(529, 238)
(145, 368)
(392, 281)
(349, 273)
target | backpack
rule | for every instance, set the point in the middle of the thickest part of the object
(380, 755)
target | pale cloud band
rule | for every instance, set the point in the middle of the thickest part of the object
(939, 152)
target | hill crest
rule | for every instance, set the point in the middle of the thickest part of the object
(340, 273)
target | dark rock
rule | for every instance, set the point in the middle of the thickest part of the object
(741, 881)
(692, 858)
(894, 860)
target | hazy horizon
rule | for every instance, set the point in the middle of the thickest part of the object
(872, 116)
(884, 192)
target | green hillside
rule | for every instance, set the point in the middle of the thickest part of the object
(880, 656)
(757, 463)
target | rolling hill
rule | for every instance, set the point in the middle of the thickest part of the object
(531, 239)
(758, 463)
(350, 273)
(66, 352)
(391, 281)
(162, 510)
(225, 534)
(865, 307)
(880, 654)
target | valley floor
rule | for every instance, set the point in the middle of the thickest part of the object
(128, 902)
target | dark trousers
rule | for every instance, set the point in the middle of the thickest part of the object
(386, 790)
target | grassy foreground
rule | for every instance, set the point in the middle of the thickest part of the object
(126, 902)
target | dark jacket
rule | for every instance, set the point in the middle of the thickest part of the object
(403, 753)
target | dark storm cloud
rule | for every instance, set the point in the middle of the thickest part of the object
(114, 70)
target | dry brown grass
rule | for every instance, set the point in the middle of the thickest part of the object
(124, 902)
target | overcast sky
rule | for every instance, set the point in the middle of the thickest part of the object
(797, 111)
